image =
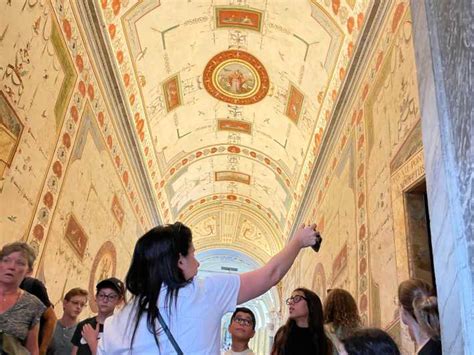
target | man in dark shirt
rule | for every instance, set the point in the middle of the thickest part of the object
(110, 293)
(48, 319)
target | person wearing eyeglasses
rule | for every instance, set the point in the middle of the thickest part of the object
(242, 329)
(110, 293)
(303, 333)
(171, 311)
(75, 300)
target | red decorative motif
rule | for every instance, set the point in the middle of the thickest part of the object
(350, 49)
(172, 93)
(57, 169)
(116, 7)
(233, 149)
(239, 17)
(67, 140)
(48, 199)
(120, 57)
(236, 77)
(67, 29)
(336, 4)
(76, 236)
(90, 91)
(79, 63)
(82, 88)
(234, 125)
(397, 16)
(112, 30)
(38, 232)
(350, 24)
(74, 112)
(294, 104)
(360, 20)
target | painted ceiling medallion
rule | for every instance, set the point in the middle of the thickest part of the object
(236, 77)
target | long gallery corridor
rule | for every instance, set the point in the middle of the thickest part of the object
(244, 119)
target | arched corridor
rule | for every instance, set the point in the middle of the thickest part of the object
(244, 119)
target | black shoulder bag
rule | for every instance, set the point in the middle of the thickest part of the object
(170, 336)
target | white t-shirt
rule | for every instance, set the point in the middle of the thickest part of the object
(195, 321)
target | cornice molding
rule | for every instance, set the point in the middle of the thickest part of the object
(108, 74)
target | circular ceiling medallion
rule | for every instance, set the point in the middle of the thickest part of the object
(236, 77)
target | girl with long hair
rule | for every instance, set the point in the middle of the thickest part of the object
(419, 311)
(171, 311)
(303, 333)
(341, 317)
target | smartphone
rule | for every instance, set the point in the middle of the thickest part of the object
(317, 245)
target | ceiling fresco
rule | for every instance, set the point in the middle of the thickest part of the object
(230, 101)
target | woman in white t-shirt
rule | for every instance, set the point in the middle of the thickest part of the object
(161, 281)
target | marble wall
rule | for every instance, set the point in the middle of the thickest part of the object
(444, 54)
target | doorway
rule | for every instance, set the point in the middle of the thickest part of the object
(420, 251)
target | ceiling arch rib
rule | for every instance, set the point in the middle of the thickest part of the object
(234, 200)
(162, 52)
(232, 226)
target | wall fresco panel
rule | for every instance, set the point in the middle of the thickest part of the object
(33, 71)
(90, 190)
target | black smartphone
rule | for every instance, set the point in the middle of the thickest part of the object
(317, 245)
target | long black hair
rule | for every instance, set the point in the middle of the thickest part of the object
(154, 263)
(315, 325)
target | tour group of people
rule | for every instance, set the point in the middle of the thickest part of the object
(170, 311)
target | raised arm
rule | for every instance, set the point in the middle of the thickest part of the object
(257, 282)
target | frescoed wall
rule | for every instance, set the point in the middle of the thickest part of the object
(65, 184)
(359, 191)
(228, 133)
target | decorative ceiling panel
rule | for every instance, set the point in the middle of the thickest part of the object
(231, 98)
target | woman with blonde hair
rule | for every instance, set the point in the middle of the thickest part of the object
(419, 311)
(341, 317)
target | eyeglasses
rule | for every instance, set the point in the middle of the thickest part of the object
(295, 299)
(107, 297)
(243, 321)
(79, 303)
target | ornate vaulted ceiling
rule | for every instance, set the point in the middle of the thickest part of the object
(228, 101)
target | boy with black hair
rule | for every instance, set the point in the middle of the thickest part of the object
(110, 293)
(242, 329)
